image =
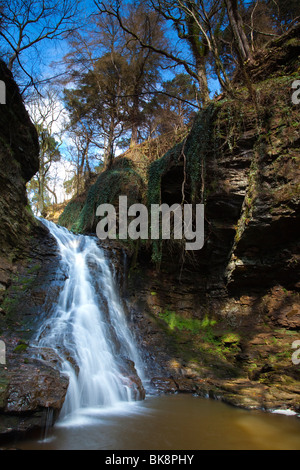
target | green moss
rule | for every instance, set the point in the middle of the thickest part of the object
(294, 42)
(194, 325)
(14, 295)
(9, 304)
(80, 214)
(200, 341)
(71, 213)
(21, 347)
(231, 338)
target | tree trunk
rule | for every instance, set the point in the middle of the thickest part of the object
(134, 118)
(134, 134)
(200, 50)
(220, 69)
(109, 151)
(53, 193)
(202, 80)
(41, 203)
(237, 26)
(41, 180)
(242, 44)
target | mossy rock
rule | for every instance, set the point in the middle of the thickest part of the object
(80, 216)
(21, 347)
(230, 339)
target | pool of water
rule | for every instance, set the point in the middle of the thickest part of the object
(177, 422)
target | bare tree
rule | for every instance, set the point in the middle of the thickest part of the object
(80, 160)
(113, 8)
(26, 23)
(143, 64)
(237, 26)
(197, 22)
(46, 113)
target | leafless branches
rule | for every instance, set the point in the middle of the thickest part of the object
(27, 23)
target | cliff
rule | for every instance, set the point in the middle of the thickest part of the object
(28, 263)
(221, 320)
(218, 322)
(19, 161)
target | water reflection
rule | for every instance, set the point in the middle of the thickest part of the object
(179, 422)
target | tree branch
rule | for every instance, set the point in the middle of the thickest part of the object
(116, 14)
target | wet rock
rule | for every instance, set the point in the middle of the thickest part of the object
(30, 396)
(164, 384)
(31, 389)
(185, 385)
(131, 379)
(46, 354)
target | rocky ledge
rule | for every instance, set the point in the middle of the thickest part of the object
(32, 393)
(32, 390)
(240, 392)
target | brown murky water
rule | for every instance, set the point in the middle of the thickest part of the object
(179, 422)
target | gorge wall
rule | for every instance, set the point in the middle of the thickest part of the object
(19, 161)
(31, 390)
(216, 322)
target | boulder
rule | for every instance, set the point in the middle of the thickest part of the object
(31, 396)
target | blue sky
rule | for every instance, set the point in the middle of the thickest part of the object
(44, 60)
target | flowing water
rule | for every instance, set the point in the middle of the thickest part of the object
(88, 330)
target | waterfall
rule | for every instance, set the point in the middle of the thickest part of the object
(87, 328)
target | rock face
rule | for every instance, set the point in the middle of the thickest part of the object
(32, 394)
(19, 161)
(132, 380)
(31, 390)
(222, 321)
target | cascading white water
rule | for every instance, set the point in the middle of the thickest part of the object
(88, 328)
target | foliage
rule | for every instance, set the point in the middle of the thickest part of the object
(38, 187)
(194, 325)
(71, 213)
(109, 185)
(128, 176)
(192, 151)
(96, 102)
